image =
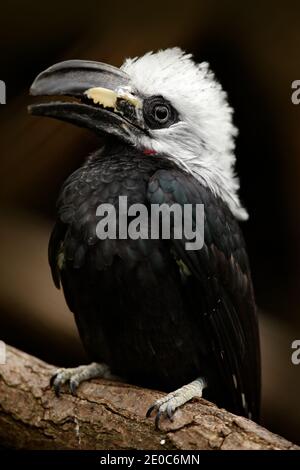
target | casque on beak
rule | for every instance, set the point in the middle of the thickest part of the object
(102, 99)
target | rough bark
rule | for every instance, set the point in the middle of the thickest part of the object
(110, 415)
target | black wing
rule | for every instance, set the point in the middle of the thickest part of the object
(55, 251)
(220, 293)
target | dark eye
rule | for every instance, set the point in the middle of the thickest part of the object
(159, 113)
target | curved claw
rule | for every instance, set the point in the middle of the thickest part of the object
(157, 419)
(149, 411)
(52, 378)
(56, 387)
(170, 412)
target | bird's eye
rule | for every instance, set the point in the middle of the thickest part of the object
(159, 113)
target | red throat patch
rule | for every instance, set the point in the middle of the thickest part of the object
(149, 152)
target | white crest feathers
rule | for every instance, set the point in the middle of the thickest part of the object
(202, 141)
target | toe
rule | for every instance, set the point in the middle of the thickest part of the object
(53, 380)
(163, 408)
(170, 411)
(57, 380)
(73, 385)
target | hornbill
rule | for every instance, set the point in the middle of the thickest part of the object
(149, 310)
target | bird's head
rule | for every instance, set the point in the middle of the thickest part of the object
(162, 103)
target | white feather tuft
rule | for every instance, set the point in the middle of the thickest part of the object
(203, 141)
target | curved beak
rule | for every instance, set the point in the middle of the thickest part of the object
(101, 100)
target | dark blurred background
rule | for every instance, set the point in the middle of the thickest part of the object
(253, 47)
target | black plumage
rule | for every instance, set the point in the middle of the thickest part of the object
(157, 314)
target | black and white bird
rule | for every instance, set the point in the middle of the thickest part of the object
(151, 311)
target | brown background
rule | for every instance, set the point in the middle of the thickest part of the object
(254, 49)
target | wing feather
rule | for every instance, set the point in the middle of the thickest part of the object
(222, 293)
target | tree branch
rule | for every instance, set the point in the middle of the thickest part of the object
(109, 415)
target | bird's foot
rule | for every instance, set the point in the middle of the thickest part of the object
(74, 376)
(167, 405)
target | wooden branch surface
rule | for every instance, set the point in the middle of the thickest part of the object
(109, 415)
